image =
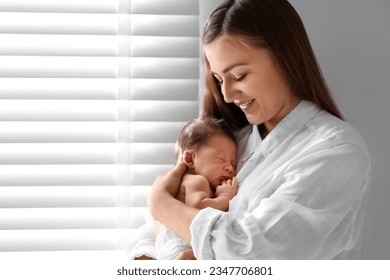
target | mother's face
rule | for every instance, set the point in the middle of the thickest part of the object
(250, 78)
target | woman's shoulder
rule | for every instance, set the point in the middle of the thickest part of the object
(335, 131)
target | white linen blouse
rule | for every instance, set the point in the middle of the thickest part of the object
(302, 194)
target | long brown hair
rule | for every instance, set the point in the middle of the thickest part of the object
(271, 24)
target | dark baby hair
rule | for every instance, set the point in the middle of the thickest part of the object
(195, 133)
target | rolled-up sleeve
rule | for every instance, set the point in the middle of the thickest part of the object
(201, 230)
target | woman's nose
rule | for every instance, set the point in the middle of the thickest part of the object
(228, 92)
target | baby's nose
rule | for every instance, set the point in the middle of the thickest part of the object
(229, 168)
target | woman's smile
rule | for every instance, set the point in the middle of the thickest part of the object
(244, 105)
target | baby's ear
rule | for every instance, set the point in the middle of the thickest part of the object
(188, 158)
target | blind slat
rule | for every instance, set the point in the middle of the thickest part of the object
(163, 110)
(98, 89)
(97, 45)
(168, 89)
(145, 174)
(59, 23)
(59, 132)
(59, 175)
(102, 67)
(158, 46)
(59, 110)
(73, 67)
(181, 7)
(68, 6)
(146, 154)
(98, 24)
(62, 240)
(61, 218)
(154, 132)
(64, 196)
(160, 68)
(59, 153)
(60, 45)
(73, 196)
(60, 88)
(164, 25)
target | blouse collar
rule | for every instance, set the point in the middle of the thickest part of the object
(299, 116)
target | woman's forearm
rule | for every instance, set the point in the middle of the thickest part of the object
(174, 214)
(165, 208)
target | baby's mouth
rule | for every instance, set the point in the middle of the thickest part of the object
(224, 178)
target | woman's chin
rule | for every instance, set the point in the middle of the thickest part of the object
(253, 120)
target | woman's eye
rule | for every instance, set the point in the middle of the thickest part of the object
(218, 81)
(239, 78)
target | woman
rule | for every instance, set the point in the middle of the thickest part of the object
(303, 172)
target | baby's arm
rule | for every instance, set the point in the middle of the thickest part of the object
(198, 193)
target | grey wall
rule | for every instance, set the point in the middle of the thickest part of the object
(351, 39)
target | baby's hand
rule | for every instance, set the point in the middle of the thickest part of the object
(228, 188)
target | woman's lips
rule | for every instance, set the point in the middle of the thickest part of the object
(244, 105)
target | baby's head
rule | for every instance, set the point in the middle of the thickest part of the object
(209, 149)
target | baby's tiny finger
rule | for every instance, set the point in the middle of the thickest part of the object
(234, 182)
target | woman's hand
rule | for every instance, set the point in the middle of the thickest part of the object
(165, 208)
(166, 184)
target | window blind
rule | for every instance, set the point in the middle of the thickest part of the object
(92, 96)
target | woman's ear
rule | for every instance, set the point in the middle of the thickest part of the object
(188, 158)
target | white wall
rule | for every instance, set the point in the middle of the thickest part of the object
(351, 39)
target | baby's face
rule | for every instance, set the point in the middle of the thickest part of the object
(216, 159)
